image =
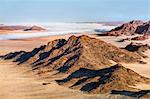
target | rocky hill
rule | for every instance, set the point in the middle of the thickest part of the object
(75, 53)
(125, 29)
(131, 28)
(87, 61)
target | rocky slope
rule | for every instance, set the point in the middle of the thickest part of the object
(131, 28)
(125, 29)
(103, 81)
(143, 29)
(87, 61)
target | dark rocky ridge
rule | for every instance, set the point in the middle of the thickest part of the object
(131, 28)
(143, 29)
(104, 80)
(125, 29)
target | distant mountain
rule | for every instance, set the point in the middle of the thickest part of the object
(143, 29)
(35, 28)
(24, 28)
(126, 29)
(131, 28)
(11, 28)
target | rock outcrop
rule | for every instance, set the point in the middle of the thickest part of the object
(125, 29)
(138, 47)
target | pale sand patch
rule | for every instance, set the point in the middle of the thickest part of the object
(142, 69)
(16, 84)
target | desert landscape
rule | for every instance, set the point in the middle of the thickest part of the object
(74, 49)
(110, 65)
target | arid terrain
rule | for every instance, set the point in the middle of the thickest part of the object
(84, 66)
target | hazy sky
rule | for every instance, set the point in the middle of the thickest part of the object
(73, 10)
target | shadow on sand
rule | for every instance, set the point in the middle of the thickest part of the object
(131, 93)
